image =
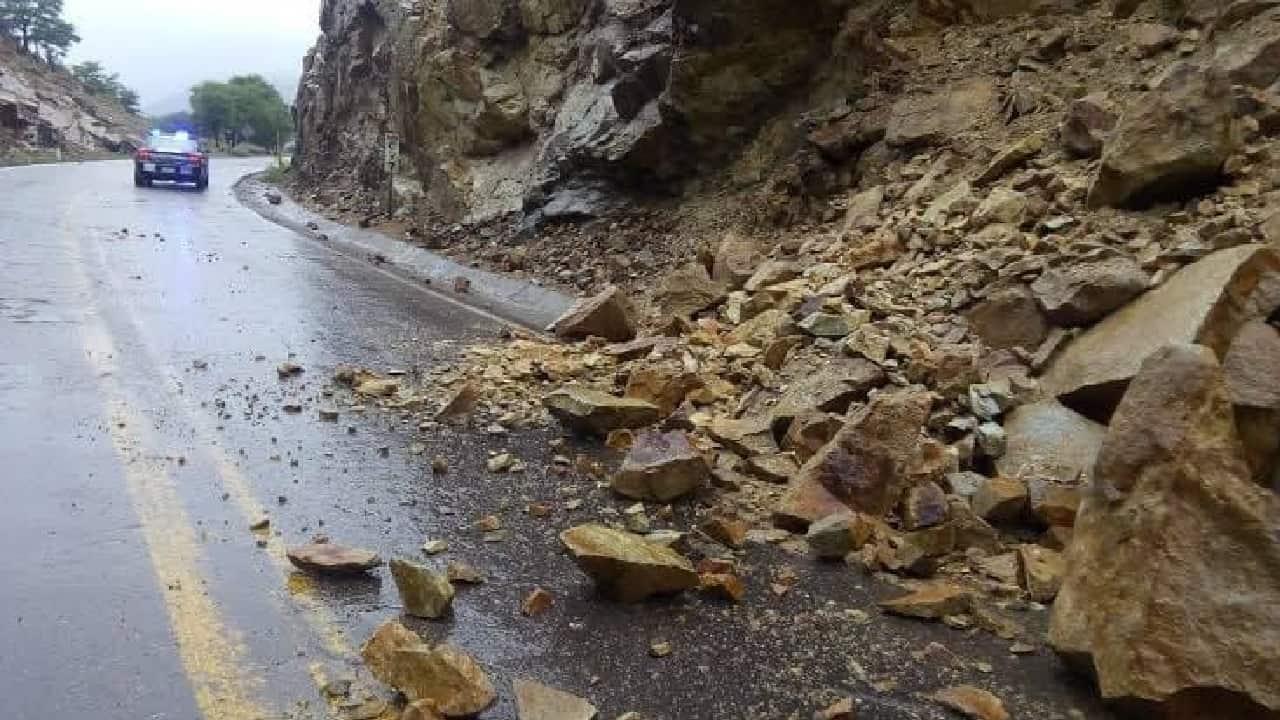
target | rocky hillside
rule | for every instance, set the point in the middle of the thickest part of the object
(983, 298)
(43, 111)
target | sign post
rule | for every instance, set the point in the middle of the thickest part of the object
(391, 165)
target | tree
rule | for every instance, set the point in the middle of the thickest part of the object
(246, 106)
(97, 81)
(38, 27)
(128, 99)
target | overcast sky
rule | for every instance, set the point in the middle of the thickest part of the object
(163, 47)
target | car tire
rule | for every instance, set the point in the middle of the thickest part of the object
(140, 180)
(202, 183)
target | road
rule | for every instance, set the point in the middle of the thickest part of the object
(142, 433)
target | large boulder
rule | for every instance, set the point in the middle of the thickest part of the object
(864, 467)
(662, 467)
(1084, 292)
(1206, 303)
(1171, 143)
(1171, 599)
(608, 315)
(1252, 371)
(592, 411)
(625, 566)
(1048, 440)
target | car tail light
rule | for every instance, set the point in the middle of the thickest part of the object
(195, 158)
(144, 154)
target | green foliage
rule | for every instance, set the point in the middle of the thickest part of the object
(244, 107)
(38, 27)
(96, 81)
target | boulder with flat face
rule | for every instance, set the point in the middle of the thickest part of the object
(1171, 598)
(935, 118)
(1082, 293)
(608, 314)
(1171, 143)
(626, 566)
(535, 701)
(425, 594)
(1046, 439)
(866, 465)
(1009, 317)
(332, 559)
(592, 411)
(661, 466)
(1206, 302)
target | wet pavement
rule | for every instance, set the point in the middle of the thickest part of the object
(142, 432)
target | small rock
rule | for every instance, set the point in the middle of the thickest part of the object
(972, 702)
(459, 405)
(931, 602)
(331, 559)
(537, 602)
(660, 649)
(1001, 500)
(592, 411)
(625, 565)
(839, 710)
(435, 547)
(535, 701)
(728, 531)
(723, 585)
(835, 536)
(462, 573)
(423, 593)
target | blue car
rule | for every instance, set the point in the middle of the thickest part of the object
(171, 157)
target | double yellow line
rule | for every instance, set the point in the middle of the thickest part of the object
(214, 658)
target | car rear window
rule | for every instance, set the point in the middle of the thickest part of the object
(172, 144)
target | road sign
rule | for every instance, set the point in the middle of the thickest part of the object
(391, 152)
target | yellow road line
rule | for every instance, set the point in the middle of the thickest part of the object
(212, 656)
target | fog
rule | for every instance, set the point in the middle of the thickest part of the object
(162, 48)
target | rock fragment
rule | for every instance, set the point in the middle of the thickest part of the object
(626, 566)
(424, 594)
(332, 559)
(535, 701)
(608, 314)
(971, 702)
(443, 675)
(592, 411)
(661, 466)
(1082, 293)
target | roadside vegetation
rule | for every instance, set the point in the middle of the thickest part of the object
(243, 110)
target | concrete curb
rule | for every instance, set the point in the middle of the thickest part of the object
(516, 301)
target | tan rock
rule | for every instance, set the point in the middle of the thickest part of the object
(1001, 499)
(1085, 125)
(736, 260)
(865, 467)
(331, 559)
(1082, 293)
(1206, 302)
(843, 709)
(879, 249)
(535, 701)
(761, 330)
(421, 710)
(666, 385)
(1054, 504)
(776, 468)
(626, 566)
(424, 594)
(810, 432)
(836, 535)
(933, 601)
(1040, 572)
(924, 505)
(661, 466)
(1170, 142)
(772, 272)
(1046, 439)
(831, 388)
(688, 290)
(461, 404)
(608, 314)
(591, 411)
(728, 531)
(1170, 598)
(723, 585)
(863, 211)
(537, 602)
(971, 702)
(1251, 370)
(1011, 157)
(1008, 318)
(748, 437)
(446, 676)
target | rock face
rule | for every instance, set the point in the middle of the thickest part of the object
(555, 107)
(661, 466)
(1206, 303)
(331, 559)
(1171, 597)
(1081, 293)
(425, 594)
(592, 411)
(608, 315)
(1170, 144)
(625, 566)
(443, 675)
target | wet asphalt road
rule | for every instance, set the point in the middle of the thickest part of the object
(141, 432)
